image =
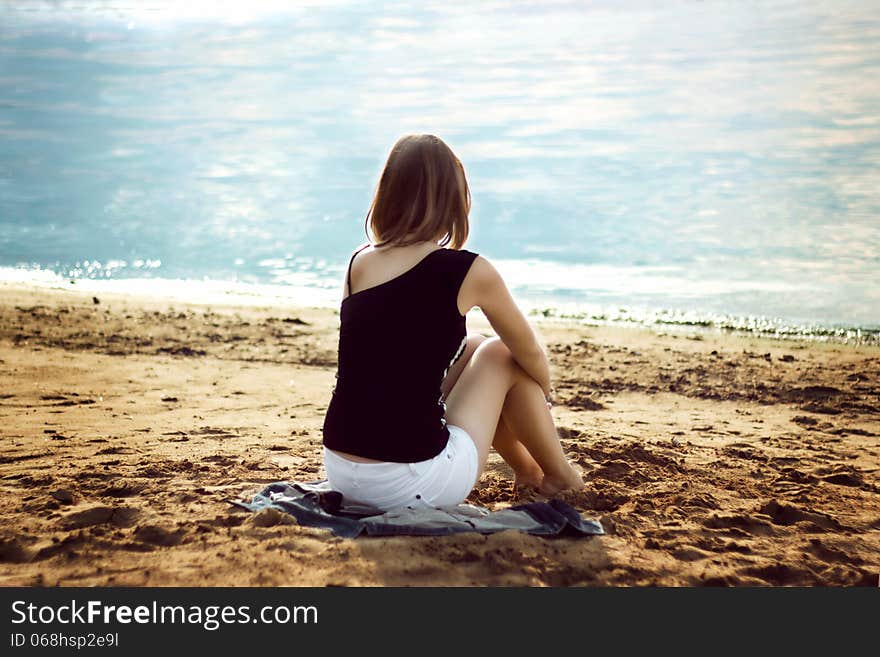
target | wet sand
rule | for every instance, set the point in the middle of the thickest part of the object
(711, 459)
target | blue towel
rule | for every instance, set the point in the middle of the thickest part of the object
(315, 504)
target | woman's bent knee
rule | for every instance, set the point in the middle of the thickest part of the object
(494, 351)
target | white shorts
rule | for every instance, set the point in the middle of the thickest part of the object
(445, 480)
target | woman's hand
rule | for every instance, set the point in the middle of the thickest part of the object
(550, 395)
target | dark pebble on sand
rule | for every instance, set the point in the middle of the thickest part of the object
(814, 407)
(157, 535)
(99, 515)
(96, 300)
(169, 399)
(787, 358)
(12, 550)
(181, 351)
(844, 479)
(63, 495)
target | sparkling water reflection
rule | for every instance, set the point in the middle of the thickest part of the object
(699, 159)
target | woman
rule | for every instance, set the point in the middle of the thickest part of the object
(418, 403)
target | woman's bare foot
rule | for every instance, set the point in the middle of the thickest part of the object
(527, 484)
(554, 484)
(528, 479)
(525, 494)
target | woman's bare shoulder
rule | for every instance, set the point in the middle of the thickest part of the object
(482, 284)
(483, 273)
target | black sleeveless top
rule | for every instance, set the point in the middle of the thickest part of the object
(397, 340)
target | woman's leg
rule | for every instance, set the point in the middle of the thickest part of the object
(526, 470)
(492, 379)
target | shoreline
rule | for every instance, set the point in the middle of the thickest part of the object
(128, 424)
(211, 293)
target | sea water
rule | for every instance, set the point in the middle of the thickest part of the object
(692, 163)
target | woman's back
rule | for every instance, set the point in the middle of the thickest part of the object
(399, 334)
(402, 328)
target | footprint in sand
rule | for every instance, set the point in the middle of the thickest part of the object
(788, 514)
(157, 535)
(119, 516)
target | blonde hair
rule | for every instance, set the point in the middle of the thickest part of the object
(423, 193)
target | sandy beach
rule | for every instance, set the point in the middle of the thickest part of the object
(712, 459)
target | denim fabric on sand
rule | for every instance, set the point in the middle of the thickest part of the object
(316, 504)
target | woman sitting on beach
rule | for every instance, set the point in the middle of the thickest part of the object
(418, 403)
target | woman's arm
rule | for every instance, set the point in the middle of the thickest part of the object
(485, 288)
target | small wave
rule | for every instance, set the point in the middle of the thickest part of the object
(205, 291)
(713, 322)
